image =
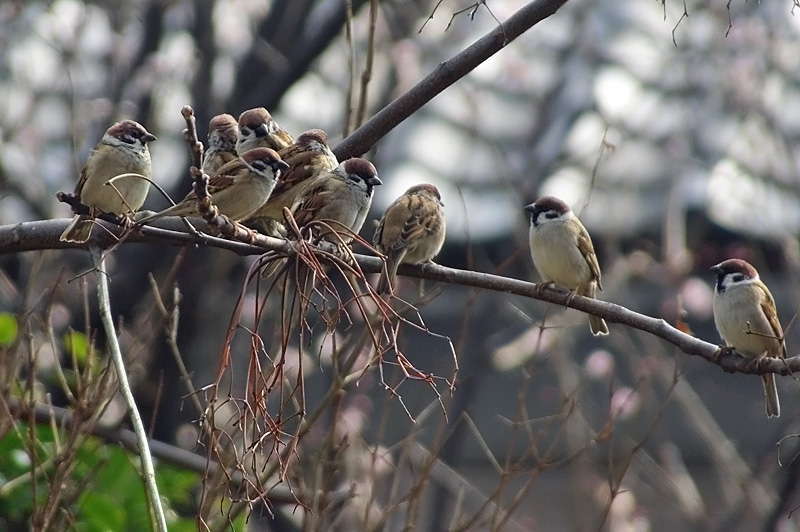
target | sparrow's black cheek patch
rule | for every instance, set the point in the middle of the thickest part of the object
(720, 286)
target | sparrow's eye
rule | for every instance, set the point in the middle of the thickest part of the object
(245, 130)
(550, 215)
(738, 277)
(259, 165)
(353, 177)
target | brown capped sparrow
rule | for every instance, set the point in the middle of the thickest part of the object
(342, 198)
(223, 131)
(309, 158)
(122, 150)
(257, 129)
(563, 253)
(411, 231)
(239, 188)
(747, 320)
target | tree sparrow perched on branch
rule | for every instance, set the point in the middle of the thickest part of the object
(223, 132)
(342, 197)
(122, 150)
(309, 158)
(411, 231)
(257, 129)
(239, 188)
(747, 320)
(563, 253)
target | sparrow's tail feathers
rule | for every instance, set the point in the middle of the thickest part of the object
(79, 230)
(387, 281)
(596, 323)
(598, 326)
(771, 400)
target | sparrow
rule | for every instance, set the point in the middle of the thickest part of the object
(747, 320)
(563, 253)
(341, 197)
(411, 231)
(257, 129)
(309, 158)
(238, 189)
(122, 150)
(222, 136)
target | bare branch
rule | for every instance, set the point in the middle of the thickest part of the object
(443, 76)
(148, 471)
(29, 236)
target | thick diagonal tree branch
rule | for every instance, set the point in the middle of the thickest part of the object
(41, 235)
(447, 73)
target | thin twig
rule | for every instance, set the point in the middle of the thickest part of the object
(366, 75)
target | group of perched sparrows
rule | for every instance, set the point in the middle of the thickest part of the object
(257, 169)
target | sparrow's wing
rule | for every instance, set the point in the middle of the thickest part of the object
(377, 238)
(281, 139)
(421, 221)
(770, 312)
(81, 181)
(220, 158)
(303, 164)
(396, 225)
(91, 161)
(587, 250)
(309, 208)
(223, 179)
(220, 182)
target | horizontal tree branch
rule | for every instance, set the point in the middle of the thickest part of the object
(445, 74)
(42, 235)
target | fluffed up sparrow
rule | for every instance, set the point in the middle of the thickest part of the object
(122, 150)
(257, 129)
(563, 253)
(309, 159)
(411, 231)
(747, 320)
(342, 197)
(239, 188)
(222, 136)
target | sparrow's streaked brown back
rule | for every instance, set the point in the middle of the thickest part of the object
(412, 230)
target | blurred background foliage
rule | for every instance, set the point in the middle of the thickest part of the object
(674, 137)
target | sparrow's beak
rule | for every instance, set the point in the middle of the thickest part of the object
(530, 208)
(716, 269)
(149, 137)
(261, 131)
(374, 181)
(280, 166)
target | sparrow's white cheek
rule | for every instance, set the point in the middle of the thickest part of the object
(735, 279)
